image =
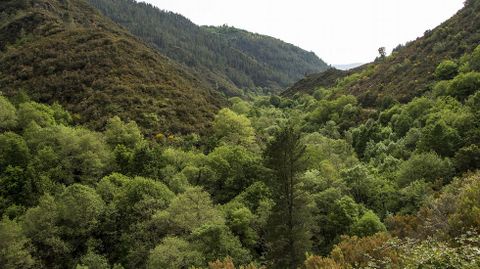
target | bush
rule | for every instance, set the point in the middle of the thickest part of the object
(427, 166)
(468, 158)
(446, 70)
(8, 115)
(474, 62)
(358, 252)
(441, 138)
(172, 253)
(464, 85)
(317, 262)
(368, 224)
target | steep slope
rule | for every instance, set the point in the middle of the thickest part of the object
(232, 60)
(65, 51)
(409, 71)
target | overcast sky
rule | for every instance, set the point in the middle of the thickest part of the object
(338, 31)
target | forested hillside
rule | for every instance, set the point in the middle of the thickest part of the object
(233, 60)
(351, 187)
(312, 82)
(409, 71)
(66, 52)
(316, 180)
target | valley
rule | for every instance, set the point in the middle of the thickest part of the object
(131, 137)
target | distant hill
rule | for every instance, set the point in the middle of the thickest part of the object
(347, 66)
(409, 71)
(232, 60)
(66, 51)
(310, 83)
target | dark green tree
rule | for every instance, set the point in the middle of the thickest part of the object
(288, 231)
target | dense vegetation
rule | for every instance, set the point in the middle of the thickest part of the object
(232, 60)
(277, 179)
(65, 51)
(310, 83)
(410, 70)
(315, 181)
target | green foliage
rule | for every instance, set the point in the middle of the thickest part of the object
(40, 114)
(91, 260)
(433, 254)
(468, 158)
(242, 223)
(426, 166)
(328, 155)
(18, 190)
(13, 150)
(413, 195)
(40, 224)
(401, 123)
(446, 70)
(14, 246)
(474, 61)
(79, 208)
(119, 133)
(248, 191)
(8, 115)
(191, 210)
(441, 138)
(239, 106)
(343, 111)
(174, 253)
(466, 215)
(139, 197)
(464, 85)
(346, 212)
(215, 241)
(361, 135)
(368, 224)
(233, 168)
(289, 224)
(231, 128)
(67, 154)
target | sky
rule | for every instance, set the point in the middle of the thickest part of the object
(338, 31)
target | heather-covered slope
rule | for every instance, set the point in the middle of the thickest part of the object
(409, 71)
(66, 51)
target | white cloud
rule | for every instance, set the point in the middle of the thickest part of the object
(339, 31)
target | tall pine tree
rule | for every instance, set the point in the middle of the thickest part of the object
(288, 232)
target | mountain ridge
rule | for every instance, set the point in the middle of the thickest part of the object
(409, 71)
(229, 66)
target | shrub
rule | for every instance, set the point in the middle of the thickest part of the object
(446, 70)
(427, 166)
(368, 224)
(465, 85)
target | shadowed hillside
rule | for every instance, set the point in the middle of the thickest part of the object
(232, 60)
(312, 82)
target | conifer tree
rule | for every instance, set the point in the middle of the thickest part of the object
(288, 232)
